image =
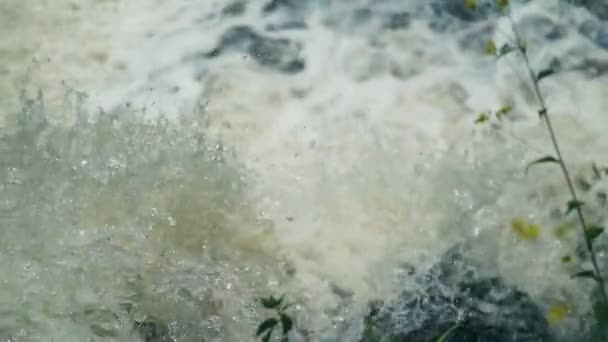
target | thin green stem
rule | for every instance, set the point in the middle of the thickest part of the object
(544, 113)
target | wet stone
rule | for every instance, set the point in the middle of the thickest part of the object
(397, 21)
(598, 8)
(285, 5)
(234, 9)
(452, 294)
(288, 25)
(595, 31)
(593, 67)
(280, 54)
(458, 9)
(152, 331)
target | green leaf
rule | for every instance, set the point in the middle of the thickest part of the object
(490, 48)
(584, 274)
(287, 323)
(566, 259)
(547, 159)
(503, 111)
(271, 302)
(266, 325)
(525, 230)
(481, 118)
(572, 205)
(502, 3)
(593, 232)
(470, 4)
(266, 337)
(544, 73)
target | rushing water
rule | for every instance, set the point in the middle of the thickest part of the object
(176, 160)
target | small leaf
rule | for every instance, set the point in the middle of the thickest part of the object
(266, 337)
(287, 323)
(271, 302)
(557, 312)
(505, 49)
(593, 232)
(572, 205)
(490, 48)
(470, 4)
(547, 159)
(267, 324)
(524, 230)
(584, 274)
(502, 3)
(481, 118)
(544, 73)
(566, 259)
(503, 111)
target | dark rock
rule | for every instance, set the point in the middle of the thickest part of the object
(234, 9)
(277, 53)
(598, 8)
(152, 331)
(457, 9)
(593, 68)
(453, 295)
(288, 25)
(362, 15)
(397, 21)
(284, 5)
(596, 32)
(376, 18)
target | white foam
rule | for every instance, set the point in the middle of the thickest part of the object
(353, 169)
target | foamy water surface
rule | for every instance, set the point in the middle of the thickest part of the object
(175, 160)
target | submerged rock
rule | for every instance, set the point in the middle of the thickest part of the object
(151, 330)
(277, 53)
(285, 5)
(598, 8)
(234, 9)
(596, 32)
(452, 296)
(458, 9)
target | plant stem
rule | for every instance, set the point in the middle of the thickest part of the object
(544, 114)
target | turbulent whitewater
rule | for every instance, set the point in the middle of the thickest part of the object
(164, 164)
